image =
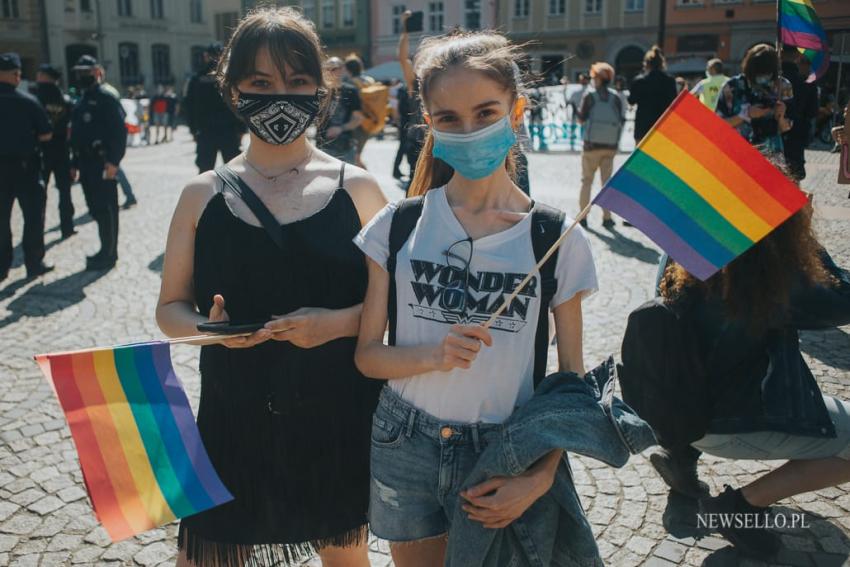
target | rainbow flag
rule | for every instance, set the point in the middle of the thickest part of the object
(699, 190)
(799, 26)
(140, 451)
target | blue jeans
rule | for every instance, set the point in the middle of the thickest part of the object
(418, 465)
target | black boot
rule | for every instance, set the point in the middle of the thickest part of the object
(678, 469)
(107, 230)
(745, 524)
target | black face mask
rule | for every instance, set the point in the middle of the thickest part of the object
(277, 118)
(86, 81)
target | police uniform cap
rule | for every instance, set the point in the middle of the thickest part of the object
(10, 61)
(50, 71)
(85, 62)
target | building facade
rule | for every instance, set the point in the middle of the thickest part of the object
(700, 29)
(343, 25)
(139, 42)
(566, 36)
(22, 31)
(438, 17)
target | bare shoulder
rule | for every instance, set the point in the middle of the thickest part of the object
(364, 191)
(196, 194)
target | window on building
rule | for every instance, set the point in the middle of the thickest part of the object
(85, 6)
(308, 8)
(128, 63)
(196, 11)
(557, 7)
(225, 23)
(592, 6)
(347, 13)
(328, 14)
(521, 8)
(635, 5)
(472, 14)
(9, 9)
(435, 16)
(689, 2)
(398, 10)
(70, 5)
(125, 8)
(157, 12)
(161, 63)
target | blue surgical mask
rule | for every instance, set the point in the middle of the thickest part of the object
(477, 154)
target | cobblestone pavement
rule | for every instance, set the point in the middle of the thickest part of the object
(45, 518)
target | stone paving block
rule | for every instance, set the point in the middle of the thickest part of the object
(55, 559)
(7, 542)
(46, 505)
(25, 561)
(21, 523)
(87, 555)
(655, 561)
(641, 546)
(154, 554)
(7, 509)
(27, 497)
(671, 551)
(121, 551)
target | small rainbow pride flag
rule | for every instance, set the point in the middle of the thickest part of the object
(699, 190)
(799, 26)
(140, 450)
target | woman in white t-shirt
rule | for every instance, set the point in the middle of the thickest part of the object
(450, 380)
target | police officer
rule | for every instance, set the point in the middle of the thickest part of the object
(55, 153)
(213, 125)
(24, 124)
(98, 142)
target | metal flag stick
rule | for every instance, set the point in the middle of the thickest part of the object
(539, 265)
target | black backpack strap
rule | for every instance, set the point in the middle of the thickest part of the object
(546, 223)
(403, 222)
(263, 214)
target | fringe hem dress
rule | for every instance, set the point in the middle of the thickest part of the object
(287, 429)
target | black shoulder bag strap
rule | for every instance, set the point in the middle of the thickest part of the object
(403, 222)
(546, 223)
(263, 214)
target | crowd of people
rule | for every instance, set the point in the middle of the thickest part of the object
(296, 241)
(382, 366)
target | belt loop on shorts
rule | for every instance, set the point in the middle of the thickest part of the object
(411, 420)
(475, 442)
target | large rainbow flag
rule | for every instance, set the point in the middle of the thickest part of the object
(799, 26)
(698, 189)
(140, 451)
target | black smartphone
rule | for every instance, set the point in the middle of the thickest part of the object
(227, 328)
(415, 21)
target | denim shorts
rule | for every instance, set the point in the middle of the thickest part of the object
(419, 463)
(771, 445)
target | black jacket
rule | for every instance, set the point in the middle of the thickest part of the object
(58, 107)
(692, 370)
(652, 93)
(97, 127)
(205, 109)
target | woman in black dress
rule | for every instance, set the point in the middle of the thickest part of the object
(284, 413)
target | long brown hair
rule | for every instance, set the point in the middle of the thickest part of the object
(486, 52)
(291, 40)
(755, 288)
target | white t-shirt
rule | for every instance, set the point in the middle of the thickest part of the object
(429, 292)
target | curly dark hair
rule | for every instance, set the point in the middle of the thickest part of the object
(756, 287)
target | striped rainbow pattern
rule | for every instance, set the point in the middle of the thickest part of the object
(699, 190)
(140, 450)
(800, 27)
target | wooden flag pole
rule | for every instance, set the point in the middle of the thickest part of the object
(176, 341)
(539, 265)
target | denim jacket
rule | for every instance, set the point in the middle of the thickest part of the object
(578, 415)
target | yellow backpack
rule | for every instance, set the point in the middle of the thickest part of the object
(374, 102)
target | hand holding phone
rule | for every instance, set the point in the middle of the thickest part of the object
(219, 324)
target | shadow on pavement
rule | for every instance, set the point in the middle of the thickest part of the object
(43, 300)
(831, 347)
(623, 246)
(79, 221)
(156, 264)
(680, 521)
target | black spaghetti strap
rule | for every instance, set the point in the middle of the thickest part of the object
(253, 202)
(342, 175)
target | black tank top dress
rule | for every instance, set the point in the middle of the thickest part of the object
(287, 429)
